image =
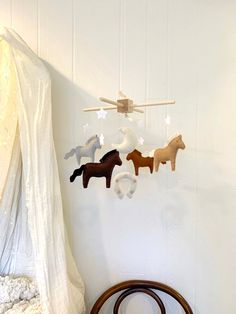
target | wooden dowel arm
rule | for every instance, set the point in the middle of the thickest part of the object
(99, 108)
(112, 102)
(138, 110)
(158, 103)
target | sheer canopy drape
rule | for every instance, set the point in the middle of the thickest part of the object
(32, 240)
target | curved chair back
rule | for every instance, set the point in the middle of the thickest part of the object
(144, 286)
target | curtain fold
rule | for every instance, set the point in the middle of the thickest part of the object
(38, 224)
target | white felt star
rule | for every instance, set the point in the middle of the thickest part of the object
(102, 114)
(141, 140)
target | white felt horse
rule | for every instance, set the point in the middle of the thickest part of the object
(88, 150)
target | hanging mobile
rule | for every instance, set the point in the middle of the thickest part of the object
(126, 105)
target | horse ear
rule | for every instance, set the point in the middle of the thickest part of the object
(180, 136)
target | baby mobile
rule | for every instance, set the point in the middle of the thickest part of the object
(128, 146)
(105, 167)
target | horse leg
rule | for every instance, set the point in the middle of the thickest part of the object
(157, 163)
(108, 182)
(78, 157)
(136, 170)
(86, 179)
(151, 168)
(172, 164)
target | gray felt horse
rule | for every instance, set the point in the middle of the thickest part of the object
(88, 150)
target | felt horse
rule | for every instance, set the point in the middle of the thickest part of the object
(140, 161)
(102, 169)
(88, 150)
(168, 153)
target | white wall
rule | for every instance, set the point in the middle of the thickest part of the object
(180, 227)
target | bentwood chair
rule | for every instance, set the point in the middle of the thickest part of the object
(143, 286)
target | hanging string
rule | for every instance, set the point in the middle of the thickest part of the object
(165, 216)
(101, 136)
(76, 108)
(122, 27)
(146, 61)
(167, 118)
(121, 44)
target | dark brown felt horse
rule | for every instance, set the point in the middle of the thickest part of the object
(140, 161)
(102, 169)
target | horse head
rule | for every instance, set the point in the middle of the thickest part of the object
(178, 142)
(133, 153)
(129, 156)
(112, 156)
(117, 159)
(97, 142)
(94, 141)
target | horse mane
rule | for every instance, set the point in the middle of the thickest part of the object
(107, 155)
(137, 152)
(91, 139)
(173, 137)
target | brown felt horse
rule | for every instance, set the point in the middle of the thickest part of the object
(140, 161)
(102, 169)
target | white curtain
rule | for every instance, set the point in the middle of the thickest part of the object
(32, 237)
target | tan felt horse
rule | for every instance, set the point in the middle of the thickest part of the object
(168, 153)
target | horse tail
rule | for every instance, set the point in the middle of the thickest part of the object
(76, 173)
(70, 153)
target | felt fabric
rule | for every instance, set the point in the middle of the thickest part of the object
(132, 187)
(129, 142)
(140, 161)
(98, 170)
(168, 153)
(88, 150)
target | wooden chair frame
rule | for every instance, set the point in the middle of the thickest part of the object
(143, 286)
